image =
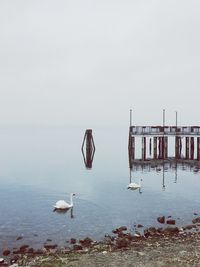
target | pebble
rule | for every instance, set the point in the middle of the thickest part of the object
(136, 235)
(140, 253)
(161, 219)
(72, 241)
(6, 252)
(172, 222)
(196, 220)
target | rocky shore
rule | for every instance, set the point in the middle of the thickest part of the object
(168, 245)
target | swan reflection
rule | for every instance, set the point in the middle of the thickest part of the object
(135, 186)
(65, 211)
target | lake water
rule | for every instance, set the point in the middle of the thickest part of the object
(41, 166)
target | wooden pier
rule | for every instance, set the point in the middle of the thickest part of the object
(158, 136)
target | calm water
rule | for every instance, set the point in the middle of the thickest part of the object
(40, 166)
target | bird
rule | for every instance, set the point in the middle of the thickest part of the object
(63, 205)
(134, 186)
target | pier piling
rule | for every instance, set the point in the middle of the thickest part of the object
(158, 142)
(198, 148)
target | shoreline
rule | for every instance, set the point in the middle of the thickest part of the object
(142, 246)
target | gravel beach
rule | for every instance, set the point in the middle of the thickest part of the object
(171, 246)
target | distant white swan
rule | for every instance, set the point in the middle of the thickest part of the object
(134, 186)
(63, 205)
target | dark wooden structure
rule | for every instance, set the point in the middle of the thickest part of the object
(158, 142)
(88, 148)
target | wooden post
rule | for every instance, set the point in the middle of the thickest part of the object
(90, 148)
(155, 147)
(143, 148)
(160, 147)
(131, 149)
(150, 147)
(165, 147)
(198, 148)
(180, 147)
(89, 142)
(192, 148)
(177, 147)
(187, 148)
(144, 151)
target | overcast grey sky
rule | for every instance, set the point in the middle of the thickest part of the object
(78, 62)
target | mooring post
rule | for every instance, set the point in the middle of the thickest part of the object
(166, 147)
(131, 149)
(177, 147)
(187, 147)
(163, 147)
(192, 148)
(160, 146)
(198, 148)
(150, 147)
(180, 147)
(144, 148)
(88, 143)
(155, 147)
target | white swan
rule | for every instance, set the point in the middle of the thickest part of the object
(63, 205)
(134, 186)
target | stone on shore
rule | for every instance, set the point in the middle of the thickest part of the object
(161, 219)
(196, 220)
(171, 221)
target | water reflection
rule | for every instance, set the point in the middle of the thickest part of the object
(88, 149)
(162, 166)
(59, 211)
(135, 186)
(169, 163)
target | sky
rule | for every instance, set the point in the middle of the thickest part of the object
(87, 63)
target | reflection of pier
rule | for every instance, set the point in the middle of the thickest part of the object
(169, 163)
(158, 135)
(88, 148)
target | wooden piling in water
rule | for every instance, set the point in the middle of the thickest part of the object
(88, 154)
(165, 147)
(158, 142)
(160, 147)
(150, 147)
(198, 148)
(191, 148)
(155, 147)
(144, 148)
(187, 147)
(177, 147)
(131, 150)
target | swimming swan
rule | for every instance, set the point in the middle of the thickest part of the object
(134, 186)
(62, 205)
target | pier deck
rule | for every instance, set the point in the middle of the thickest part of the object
(165, 130)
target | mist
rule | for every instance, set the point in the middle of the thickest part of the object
(86, 63)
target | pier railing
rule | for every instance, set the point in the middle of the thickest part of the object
(165, 130)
